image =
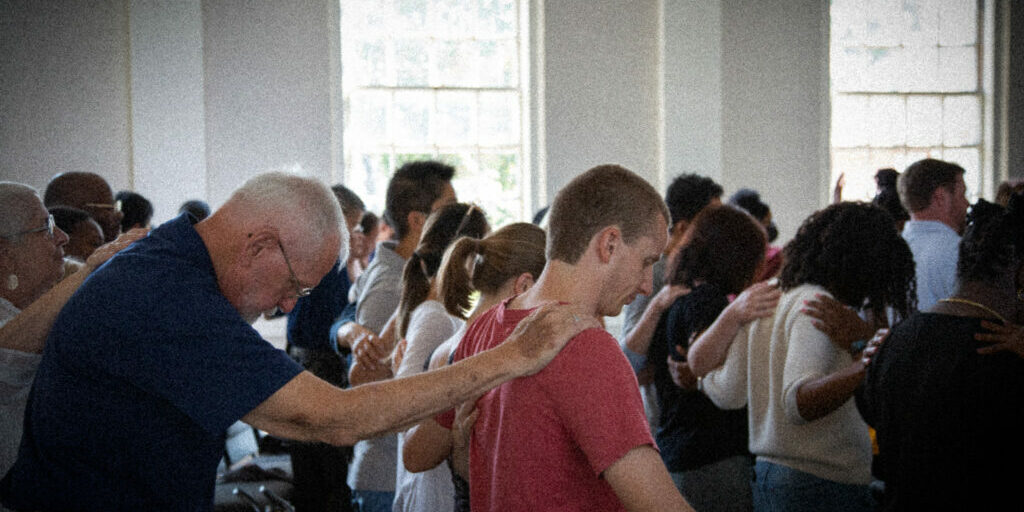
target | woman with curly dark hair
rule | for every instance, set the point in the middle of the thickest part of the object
(813, 448)
(944, 392)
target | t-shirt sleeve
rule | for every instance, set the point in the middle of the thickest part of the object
(594, 391)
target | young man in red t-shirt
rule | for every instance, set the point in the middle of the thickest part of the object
(574, 436)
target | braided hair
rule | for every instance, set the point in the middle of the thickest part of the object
(993, 241)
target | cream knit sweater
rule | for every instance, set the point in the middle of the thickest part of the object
(767, 362)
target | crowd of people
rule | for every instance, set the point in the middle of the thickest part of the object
(435, 362)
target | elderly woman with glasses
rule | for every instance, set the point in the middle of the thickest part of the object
(31, 264)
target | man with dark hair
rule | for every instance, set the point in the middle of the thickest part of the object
(415, 190)
(86, 191)
(415, 187)
(136, 209)
(687, 195)
(934, 193)
(574, 437)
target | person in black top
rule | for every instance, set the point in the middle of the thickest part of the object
(703, 447)
(944, 389)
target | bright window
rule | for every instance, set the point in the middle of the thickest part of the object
(906, 85)
(440, 79)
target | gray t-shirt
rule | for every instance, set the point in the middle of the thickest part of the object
(377, 292)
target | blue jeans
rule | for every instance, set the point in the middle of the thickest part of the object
(372, 501)
(778, 488)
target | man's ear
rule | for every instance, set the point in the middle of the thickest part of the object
(940, 197)
(523, 282)
(256, 243)
(416, 220)
(609, 240)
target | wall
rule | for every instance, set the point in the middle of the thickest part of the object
(64, 95)
(775, 107)
(600, 101)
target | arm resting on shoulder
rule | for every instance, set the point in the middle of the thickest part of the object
(711, 348)
(28, 331)
(308, 408)
(642, 483)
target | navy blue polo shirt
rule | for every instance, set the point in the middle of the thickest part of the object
(146, 367)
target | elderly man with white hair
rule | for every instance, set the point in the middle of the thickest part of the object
(154, 357)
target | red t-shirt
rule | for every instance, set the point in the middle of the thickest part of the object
(541, 442)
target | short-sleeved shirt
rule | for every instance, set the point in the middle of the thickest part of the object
(146, 367)
(936, 249)
(542, 442)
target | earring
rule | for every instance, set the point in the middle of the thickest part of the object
(1020, 294)
(12, 282)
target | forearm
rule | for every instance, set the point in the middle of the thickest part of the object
(425, 446)
(27, 332)
(639, 339)
(397, 404)
(711, 348)
(820, 397)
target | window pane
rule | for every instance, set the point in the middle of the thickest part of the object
(924, 121)
(455, 122)
(958, 22)
(497, 18)
(369, 61)
(961, 121)
(410, 16)
(850, 120)
(368, 117)
(412, 116)
(499, 118)
(921, 22)
(411, 62)
(959, 69)
(498, 63)
(887, 116)
(454, 18)
(457, 63)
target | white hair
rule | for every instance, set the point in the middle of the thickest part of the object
(16, 201)
(298, 200)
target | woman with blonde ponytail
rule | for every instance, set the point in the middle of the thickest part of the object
(499, 266)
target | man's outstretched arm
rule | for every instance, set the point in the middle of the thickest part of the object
(308, 408)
